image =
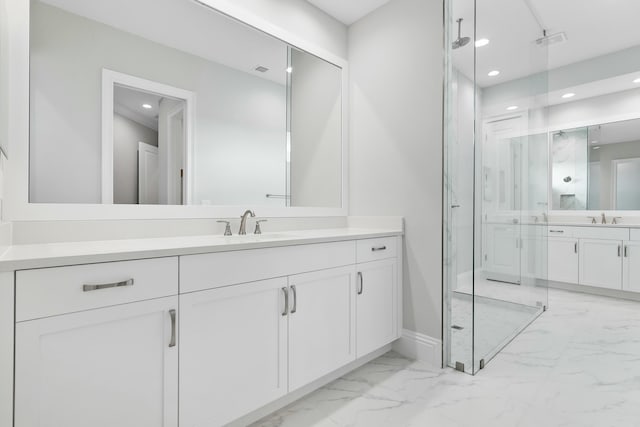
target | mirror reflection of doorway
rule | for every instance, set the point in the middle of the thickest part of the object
(139, 110)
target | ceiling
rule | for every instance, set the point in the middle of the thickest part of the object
(348, 11)
(128, 103)
(593, 28)
(190, 27)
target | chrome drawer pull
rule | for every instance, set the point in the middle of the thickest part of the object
(172, 314)
(286, 301)
(295, 300)
(87, 288)
(379, 248)
(556, 231)
(361, 280)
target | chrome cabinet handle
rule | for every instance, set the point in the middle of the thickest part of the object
(172, 314)
(286, 301)
(88, 288)
(361, 280)
(295, 300)
(575, 247)
(379, 248)
(556, 231)
(619, 250)
(626, 251)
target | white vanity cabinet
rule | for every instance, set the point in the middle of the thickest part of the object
(244, 345)
(233, 351)
(114, 366)
(198, 339)
(601, 263)
(502, 253)
(97, 345)
(376, 305)
(563, 265)
(631, 266)
(322, 324)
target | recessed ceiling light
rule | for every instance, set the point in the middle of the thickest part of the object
(513, 107)
(637, 80)
(493, 73)
(568, 95)
(147, 106)
(289, 69)
(482, 42)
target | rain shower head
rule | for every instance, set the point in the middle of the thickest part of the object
(460, 41)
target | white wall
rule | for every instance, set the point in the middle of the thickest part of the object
(68, 56)
(126, 135)
(599, 109)
(396, 63)
(316, 132)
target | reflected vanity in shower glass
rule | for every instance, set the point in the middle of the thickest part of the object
(597, 167)
(171, 102)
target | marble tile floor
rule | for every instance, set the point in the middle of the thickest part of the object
(577, 365)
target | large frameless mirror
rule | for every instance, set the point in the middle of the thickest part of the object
(171, 102)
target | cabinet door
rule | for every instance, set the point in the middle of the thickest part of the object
(601, 263)
(563, 260)
(321, 324)
(503, 253)
(107, 367)
(376, 302)
(631, 270)
(233, 351)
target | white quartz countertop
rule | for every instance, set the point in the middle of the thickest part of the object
(20, 257)
(564, 224)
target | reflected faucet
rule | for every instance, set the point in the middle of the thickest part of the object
(545, 217)
(243, 221)
(604, 218)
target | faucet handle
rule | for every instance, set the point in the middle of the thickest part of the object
(227, 229)
(593, 219)
(258, 230)
(615, 219)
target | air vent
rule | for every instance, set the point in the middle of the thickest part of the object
(261, 69)
(552, 39)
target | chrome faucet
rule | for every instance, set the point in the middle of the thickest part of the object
(545, 217)
(604, 218)
(243, 221)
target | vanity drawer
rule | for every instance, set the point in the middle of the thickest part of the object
(214, 270)
(375, 249)
(601, 232)
(635, 234)
(554, 231)
(52, 291)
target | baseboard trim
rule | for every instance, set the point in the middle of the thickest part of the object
(424, 348)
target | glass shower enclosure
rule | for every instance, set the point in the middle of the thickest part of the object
(496, 169)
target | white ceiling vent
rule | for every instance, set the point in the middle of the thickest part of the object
(261, 69)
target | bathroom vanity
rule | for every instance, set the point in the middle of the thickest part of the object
(196, 331)
(604, 256)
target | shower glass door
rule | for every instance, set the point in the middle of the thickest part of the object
(496, 179)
